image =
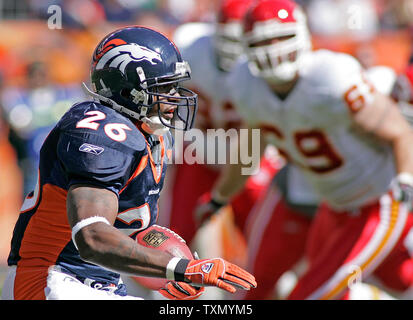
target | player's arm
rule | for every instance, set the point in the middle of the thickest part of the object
(382, 117)
(92, 212)
(101, 243)
(232, 177)
(372, 109)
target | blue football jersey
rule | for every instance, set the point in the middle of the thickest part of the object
(92, 144)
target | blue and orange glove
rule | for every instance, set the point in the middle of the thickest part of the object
(210, 272)
(181, 291)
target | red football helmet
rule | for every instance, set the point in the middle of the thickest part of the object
(276, 36)
(228, 35)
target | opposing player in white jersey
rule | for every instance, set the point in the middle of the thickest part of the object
(211, 49)
(350, 141)
(283, 218)
(212, 54)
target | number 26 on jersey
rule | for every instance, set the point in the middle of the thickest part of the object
(115, 131)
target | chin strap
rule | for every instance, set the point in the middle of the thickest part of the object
(153, 125)
(111, 103)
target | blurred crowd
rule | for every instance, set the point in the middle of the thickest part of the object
(42, 65)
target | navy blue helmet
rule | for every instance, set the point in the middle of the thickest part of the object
(134, 67)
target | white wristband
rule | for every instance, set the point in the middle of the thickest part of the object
(170, 268)
(85, 222)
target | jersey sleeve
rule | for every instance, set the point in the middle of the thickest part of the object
(91, 157)
(382, 78)
(344, 79)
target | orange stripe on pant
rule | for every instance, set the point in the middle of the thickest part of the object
(394, 215)
(47, 233)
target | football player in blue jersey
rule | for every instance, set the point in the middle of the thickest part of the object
(101, 170)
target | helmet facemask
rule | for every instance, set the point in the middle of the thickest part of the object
(156, 93)
(228, 44)
(162, 98)
(228, 32)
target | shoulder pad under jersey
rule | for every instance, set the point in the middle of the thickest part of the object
(331, 72)
(96, 122)
(97, 145)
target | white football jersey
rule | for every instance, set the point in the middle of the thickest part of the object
(314, 127)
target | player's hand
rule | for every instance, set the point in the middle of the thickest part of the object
(211, 272)
(181, 291)
(402, 188)
(206, 208)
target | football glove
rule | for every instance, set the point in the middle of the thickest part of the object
(402, 188)
(206, 208)
(181, 291)
(210, 272)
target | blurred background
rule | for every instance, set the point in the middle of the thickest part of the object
(43, 61)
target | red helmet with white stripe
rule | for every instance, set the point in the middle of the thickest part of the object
(276, 36)
(228, 35)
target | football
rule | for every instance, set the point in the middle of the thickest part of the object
(163, 239)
